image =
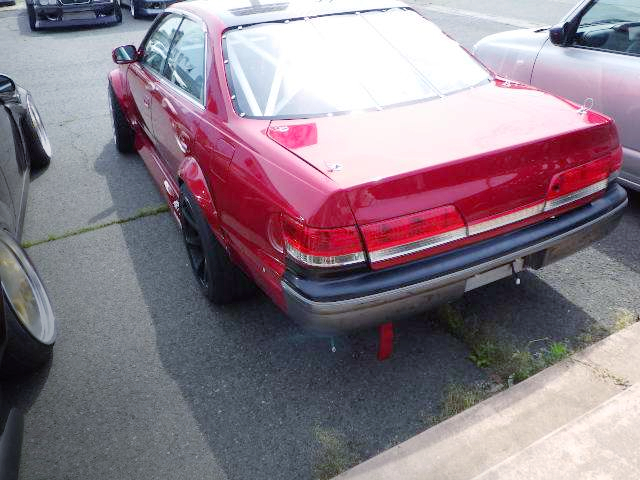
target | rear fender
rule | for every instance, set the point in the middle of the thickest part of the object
(191, 175)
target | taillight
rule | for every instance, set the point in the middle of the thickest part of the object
(582, 181)
(322, 247)
(413, 233)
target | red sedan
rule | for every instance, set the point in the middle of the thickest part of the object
(353, 161)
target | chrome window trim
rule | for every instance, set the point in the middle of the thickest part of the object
(603, 50)
(201, 104)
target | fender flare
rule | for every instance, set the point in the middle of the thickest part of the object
(191, 175)
(118, 83)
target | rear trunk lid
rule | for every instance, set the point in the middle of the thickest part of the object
(486, 150)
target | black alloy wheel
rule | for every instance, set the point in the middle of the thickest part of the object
(220, 280)
(193, 243)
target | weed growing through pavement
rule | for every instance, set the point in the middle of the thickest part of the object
(143, 212)
(508, 364)
(624, 318)
(457, 398)
(335, 454)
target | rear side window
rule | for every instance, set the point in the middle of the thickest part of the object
(157, 46)
(186, 61)
(344, 63)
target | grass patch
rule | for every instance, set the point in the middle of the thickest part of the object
(623, 318)
(592, 334)
(457, 398)
(143, 212)
(492, 350)
(335, 454)
(507, 363)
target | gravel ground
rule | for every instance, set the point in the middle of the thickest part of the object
(148, 381)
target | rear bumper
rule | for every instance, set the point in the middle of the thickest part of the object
(67, 16)
(370, 298)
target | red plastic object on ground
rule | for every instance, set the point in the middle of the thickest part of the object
(385, 347)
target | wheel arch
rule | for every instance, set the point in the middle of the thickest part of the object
(191, 175)
(118, 83)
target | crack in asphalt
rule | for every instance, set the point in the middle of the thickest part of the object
(142, 213)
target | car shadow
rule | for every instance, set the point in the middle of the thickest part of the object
(263, 390)
(622, 244)
(21, 392)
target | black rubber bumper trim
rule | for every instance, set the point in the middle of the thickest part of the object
(371, 282)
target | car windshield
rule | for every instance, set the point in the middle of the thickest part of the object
(612, 11)
(343, 63)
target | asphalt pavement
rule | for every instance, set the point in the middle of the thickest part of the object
(149, 381)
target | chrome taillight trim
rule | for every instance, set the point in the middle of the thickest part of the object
(577, 195)
(503, 220)
(324, 262)
(417, 246)
(485, 226)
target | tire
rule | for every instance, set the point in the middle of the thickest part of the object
(132, 7)
(31, 12)
(220, 280)
(117, 10)
(123, 134)
(25, 351)
(36, 137)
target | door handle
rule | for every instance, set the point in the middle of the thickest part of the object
(183, 142)
(167, 105)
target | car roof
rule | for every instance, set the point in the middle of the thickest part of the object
(234, 13)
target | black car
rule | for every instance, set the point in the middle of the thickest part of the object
(72, 13)
(142, 8)
(27, 323)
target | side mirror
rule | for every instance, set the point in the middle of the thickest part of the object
(559, 35)
(6, 85)
(125, 54)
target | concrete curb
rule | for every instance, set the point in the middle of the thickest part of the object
(479, 439)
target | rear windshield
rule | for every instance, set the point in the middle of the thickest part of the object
(343, 63)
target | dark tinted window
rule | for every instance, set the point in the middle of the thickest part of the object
(185, 64)
(157, 46)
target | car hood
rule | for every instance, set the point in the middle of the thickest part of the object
(512, 54)
(486, 150)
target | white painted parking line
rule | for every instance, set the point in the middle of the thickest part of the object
(515, 22)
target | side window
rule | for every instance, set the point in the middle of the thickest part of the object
(612, 25)
(186, 62)
(157, 45)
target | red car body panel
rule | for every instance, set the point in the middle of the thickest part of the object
(486, 150)
(407, 159)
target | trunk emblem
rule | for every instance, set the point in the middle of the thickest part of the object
(586, 106)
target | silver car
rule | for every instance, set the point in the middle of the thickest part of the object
(593, 53)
